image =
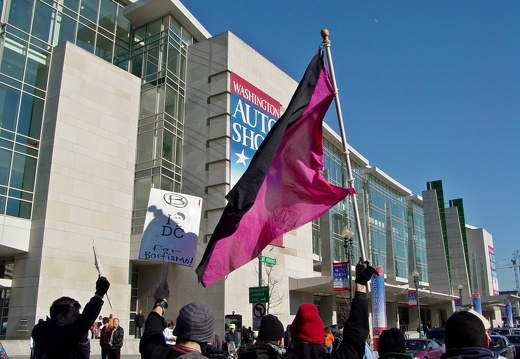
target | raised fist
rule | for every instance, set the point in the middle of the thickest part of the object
(364, 272)
(102, 285)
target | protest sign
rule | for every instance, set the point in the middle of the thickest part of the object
(171, 228)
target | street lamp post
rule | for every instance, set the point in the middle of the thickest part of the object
(415, 275)
(348, 238)
(460, 286)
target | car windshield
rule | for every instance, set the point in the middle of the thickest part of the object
(416, 345)
(496, 343)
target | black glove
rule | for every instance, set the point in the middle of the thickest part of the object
(364, 272)
(102, 285)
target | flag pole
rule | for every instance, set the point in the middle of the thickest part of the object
(346, 152)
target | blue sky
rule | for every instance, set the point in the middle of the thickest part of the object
(429, 90)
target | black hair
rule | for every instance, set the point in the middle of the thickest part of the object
(463, 330)
(391, 341)
(62, 306)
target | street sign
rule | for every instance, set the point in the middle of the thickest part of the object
(269, 261)
(258, 313)
(258, 294)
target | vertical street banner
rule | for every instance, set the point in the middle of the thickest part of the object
(458, 304)
(493, 267)
(378, 306)
(509, 314)
(412, 298)
(477, 303)
(171, 228)
(253, 113)
(340, 276)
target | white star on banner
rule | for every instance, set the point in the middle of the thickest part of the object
(242, 158)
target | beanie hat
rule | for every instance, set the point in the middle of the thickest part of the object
(195, 323)
(307, 326)
(271, 328)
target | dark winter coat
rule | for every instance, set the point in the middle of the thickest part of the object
(61, 342)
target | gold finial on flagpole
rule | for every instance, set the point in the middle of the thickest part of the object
(325, 35)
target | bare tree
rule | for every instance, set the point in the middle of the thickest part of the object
(272, 280)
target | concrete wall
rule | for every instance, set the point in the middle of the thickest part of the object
(83, 191)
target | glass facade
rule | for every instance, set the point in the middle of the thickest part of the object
(380, 195)
(417, 215)
(159, 52)
(342, 214)
(32, 28)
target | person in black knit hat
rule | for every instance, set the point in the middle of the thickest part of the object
(270, 340)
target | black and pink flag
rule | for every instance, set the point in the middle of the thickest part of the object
(282, 188)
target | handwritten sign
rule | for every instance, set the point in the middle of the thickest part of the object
(171, 228)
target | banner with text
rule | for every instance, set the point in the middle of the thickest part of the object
(253, 113)
(378, 305)
(412, 298)
(458, 304)
(510, 319)
(340, 276)
(492, 265)
(171, 228)
(477, 303)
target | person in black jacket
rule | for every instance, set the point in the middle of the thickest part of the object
(307, 328)
(65, 334)
(115, 343)
(139, 322)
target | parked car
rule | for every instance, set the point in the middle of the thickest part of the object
(503, 331)
(500, 345)
(515, 340)
(436, 334)
(424, 348)
(516, 331)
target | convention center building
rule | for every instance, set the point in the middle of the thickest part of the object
(102, 100)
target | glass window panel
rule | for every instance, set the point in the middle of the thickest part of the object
(107, 15)
(168, 145)
(89, 9)
(123, 26)
(9, 99)
(23, 172)
(5, 164)
(85, 38)
(17, 208)
(43, 22)
(104, 48)
(151, 65)
(1, 7)
(20, 14)
(3, 200)
(142, 192)
(37, 68)
(182, 72)
(31, 114)
(148, 101)
(121, 57)
(153, 28)
(145, 144)
(71, 4)
(137, 65)
(13, 58)
(171, 102)
(65, 29)
(175, 27)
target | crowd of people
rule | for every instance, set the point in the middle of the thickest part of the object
(65, 334)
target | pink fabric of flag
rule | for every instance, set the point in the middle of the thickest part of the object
(293, 191)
